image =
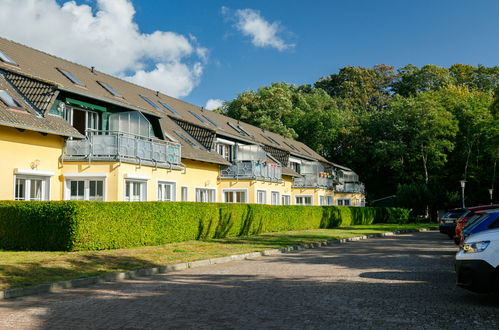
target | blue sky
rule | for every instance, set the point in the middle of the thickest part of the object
(309, 39)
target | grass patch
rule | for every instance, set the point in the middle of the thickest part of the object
(26, 268)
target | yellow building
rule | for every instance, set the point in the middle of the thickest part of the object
(68, 132)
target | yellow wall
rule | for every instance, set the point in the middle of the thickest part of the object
(28, 151)
(33, 151)
(196, 175)
(355, 198)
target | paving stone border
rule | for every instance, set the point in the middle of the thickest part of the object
(119, 276)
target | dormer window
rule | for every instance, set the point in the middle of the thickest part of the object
(6, 59)
(9, 100)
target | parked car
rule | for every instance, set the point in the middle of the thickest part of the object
(477, 264)
(489, 220)
(473, 213)
(448, 221)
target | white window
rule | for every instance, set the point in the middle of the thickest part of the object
(205, 195)
(286, 200)
(343, 201)
(225, 151)
(135, 191)
(261, 197)
(329, 200)
(166, 191)
(184, 194)
(295, 166)
(363, 203)
(274, 198)
(31, 188)
(303, 200)
(85, 189)
(322, 200)
(235, 196)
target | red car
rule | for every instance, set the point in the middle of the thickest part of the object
(472, 211)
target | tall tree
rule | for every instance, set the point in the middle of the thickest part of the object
(412, 80)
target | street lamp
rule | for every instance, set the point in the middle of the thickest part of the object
(491, 191)
(463, 183)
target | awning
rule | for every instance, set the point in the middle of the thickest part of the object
(85, 104)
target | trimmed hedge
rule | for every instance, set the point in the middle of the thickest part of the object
(73, 225)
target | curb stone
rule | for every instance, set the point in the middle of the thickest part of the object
(119, 276)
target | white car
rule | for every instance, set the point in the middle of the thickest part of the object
(477, 264)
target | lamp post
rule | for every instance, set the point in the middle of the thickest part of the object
(491, 192)
(463, 183)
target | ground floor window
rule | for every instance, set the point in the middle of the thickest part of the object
(184, 194)
(303, 200)
(235, 196)
(329, 200)
(31, 188)
(135, 191)
(261, 197)
(274, 198)
(85, 189)
(322, 200)
(205, 195)
(166, 191)
(286, 200)
(343, 201)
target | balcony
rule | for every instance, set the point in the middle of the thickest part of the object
(252, 170)
(114, 146)
(350, 188)
(313, 181)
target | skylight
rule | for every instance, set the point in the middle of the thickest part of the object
(212, 121)
(237, 129)
(169, 108)
(6, 59)
(243, 130)
(150, 102)
(109, 89)
(289, 145)
(70, 76)
(306, 151)
(271, 140)
(9, 100)
(198, 117)
(186, 139)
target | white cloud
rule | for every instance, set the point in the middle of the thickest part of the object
(262, 33)
(213, 104)
(108, 39)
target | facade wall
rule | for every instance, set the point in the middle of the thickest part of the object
(314, 192)
(356, 199)
(252, 187)
(28, 152)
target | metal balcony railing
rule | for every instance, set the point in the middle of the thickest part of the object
(313, 181)
(125, 147)
(350, 188)
(252, 169)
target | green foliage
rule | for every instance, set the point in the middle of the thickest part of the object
(73, 226)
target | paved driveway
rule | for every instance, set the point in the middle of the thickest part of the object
(404, 281)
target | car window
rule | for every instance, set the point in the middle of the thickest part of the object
(494, 224)
(477, 221)
(455, 214)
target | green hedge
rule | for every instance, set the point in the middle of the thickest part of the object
(72, 225)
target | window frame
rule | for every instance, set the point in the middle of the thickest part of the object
(303, 197)
(184, 193)
(143, 189)
(277, 200)
(235, 191)
(258, 199)
(287, 198)
(173, 188)
(343, 200)
(28, 176)
(86, 178)
(212, 192)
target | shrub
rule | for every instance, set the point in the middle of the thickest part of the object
(73, 225)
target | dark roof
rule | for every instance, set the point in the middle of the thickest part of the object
(43, 67)
(27, 118)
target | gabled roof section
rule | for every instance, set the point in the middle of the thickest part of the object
(193, 149)
(25, 117)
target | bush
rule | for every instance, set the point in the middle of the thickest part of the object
(73, 225)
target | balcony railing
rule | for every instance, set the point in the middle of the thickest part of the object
(252, 169)
(350, 188)
(125, 147)
(313, 181)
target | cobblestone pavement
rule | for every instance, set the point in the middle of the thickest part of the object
(404, 281)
